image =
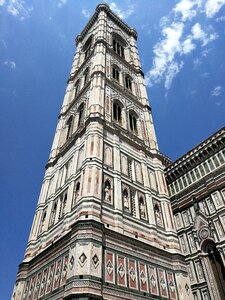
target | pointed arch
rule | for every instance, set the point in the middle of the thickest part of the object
(117, 111)
(133, 118)
(69, 125)
(81, 114)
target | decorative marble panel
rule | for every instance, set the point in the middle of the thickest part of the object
(64, 270)
(108, 155)
(143, 277)
(37, 286)
(50, 278)
(109, 267)
(121, 271)
(172, 286)
(56, 280)
(162, 283)
(31, 288)
(153, 279)
(43, 283)
(132, 274)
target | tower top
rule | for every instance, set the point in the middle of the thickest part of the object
(106, 8)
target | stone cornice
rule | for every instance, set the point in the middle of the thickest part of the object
(199, 190)
(61, 245)
(122, 133)
(195, 156)
(123, 61)
(76, 98)
(105, 7)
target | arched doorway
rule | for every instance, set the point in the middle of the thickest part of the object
(217, 266)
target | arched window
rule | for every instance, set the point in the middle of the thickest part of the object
(116, 73)
(128, 82)
(69, 125)
(118, 47)
(133, 122)
(107, 191)
(86, 76)
(76, 192)
(63, 200)
(77, 87)
(117, 112)
(53, 214)
(81, 114)
(43, 220)
(88, 51)
(87, 47)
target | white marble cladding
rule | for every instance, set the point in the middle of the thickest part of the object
(200, 171)
(104, 167)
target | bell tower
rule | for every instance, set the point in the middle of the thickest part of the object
(103, 227)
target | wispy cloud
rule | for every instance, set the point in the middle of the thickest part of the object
(197, 63)
(212, 7)
(216, 91)
(122, 13)
(9, 63)
(61, 3)
(4, 43)
(2, 2)
(220, 19)
(180, 36)
(17, 8)
(187, 9)
(205, 37)
(86, 13)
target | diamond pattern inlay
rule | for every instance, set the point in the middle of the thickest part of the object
(109, 267)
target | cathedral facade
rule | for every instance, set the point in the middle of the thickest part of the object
(196, 183)
(103, 226)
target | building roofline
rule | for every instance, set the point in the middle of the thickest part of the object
(196, 150)
(105, 7)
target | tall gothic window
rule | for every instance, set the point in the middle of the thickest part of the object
(76, 193)
(86, 76)
(128, 82)
(43, 220)
(69, 125)
(87, 47)
(133, 123)
(88, 51)
(117, 112)
(115, 73)
(118, 48)
(81, 114)
(53, 214)
(63, 200)
(77, 87)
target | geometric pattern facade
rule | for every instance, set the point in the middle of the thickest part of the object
(103, 227)
(196, 183)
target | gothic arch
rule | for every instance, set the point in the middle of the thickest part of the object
(81, 113)
(133, 120)
(217, 268)
(69, 126)
(120, 38)
(87, 47)
(117, 107)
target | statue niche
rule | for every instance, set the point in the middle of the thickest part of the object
(107, 191)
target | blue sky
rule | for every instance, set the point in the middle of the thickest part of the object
(181, 45)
